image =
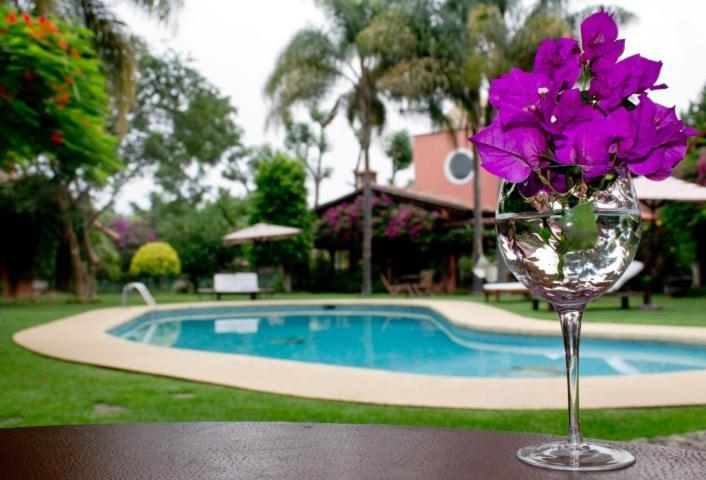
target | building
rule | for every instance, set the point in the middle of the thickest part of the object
(443, 167)
(442, 189)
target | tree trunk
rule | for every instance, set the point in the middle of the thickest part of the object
(477, 221)
(83, 273)
(502, 266)
(317, 183)
(92, 257)
(367, 289)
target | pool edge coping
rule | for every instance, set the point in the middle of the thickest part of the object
(84, 339)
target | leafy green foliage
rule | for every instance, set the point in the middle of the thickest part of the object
(694, 165)
(305, 71)
(155, 259)
(308, 142)
(28, 210)
(398, 148)
(196, 232)
(579, 227)
(681, 222)
(280, 199)
(110, 39)
(181, 124)
(52, 98)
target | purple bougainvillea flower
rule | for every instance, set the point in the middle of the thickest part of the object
(594, 145)
(631, 76)
(641, 127)
(543, 120)
(665, 145)
(599, 39)
(559, 61)
(520, 97)
(510, 154)
(568, 113)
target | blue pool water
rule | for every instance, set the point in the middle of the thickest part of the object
(396, 338)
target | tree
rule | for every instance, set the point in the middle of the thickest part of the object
(110, 40)
(157, 260)
(53, 113)
(316, 63)
(694, 166)
(303, 137)
(280, 199)
(398, 148)
(181, 125)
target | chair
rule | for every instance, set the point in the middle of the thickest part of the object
(237, 283)
(425, 286)
(617, 290)
(395, 289)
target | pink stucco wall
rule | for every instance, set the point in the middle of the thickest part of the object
(430, 152)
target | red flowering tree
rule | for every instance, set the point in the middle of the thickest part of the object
(53, 113)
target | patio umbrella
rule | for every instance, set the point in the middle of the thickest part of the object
(653, 194)
(260, 232)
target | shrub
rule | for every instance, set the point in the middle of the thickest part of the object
(155, 259)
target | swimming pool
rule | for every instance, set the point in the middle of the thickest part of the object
(396, 338)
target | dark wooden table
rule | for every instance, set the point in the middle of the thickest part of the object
(298, 451)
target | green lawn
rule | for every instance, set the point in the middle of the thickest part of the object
(35, 390)
(689, 311)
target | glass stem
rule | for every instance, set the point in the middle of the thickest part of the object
(571, 330)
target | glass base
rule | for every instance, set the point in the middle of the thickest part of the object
(584, 457)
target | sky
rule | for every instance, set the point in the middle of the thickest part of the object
(235, 43)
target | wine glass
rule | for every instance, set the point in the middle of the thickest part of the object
(568, 238)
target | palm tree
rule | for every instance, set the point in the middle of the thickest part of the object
(317, 64)
(112, 41)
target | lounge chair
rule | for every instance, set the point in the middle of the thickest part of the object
(425, 286)
(237, 283)
(498, 289)
(396, 288)
(617, 290)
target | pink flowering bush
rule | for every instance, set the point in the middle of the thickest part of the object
(392, 220)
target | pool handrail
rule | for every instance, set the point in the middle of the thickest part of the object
(144, 292)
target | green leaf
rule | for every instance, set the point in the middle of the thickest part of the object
(579, 227)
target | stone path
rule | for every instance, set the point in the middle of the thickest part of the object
(693, 440)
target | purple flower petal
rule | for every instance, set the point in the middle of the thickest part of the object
(519, 97)
(609, 57)
(599, 39)
(510, 154)
(642, 129)
(569, 112)
(559, 61)
(656, 153)
(595, 144)
(631, 76)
